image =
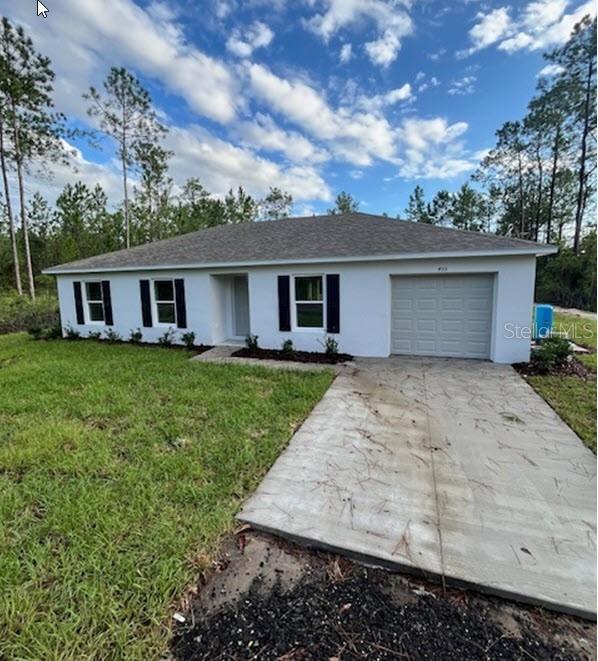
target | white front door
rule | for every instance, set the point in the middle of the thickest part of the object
(240, 306)
(442, 315)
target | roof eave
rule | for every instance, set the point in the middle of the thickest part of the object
(537, 251)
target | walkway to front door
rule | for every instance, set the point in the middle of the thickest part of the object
(448, 467)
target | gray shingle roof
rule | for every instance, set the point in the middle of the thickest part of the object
(303, 239)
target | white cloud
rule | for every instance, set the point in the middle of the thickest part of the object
(257, 35)
(355, 174)
(84, 38)
(550, 70)
(263, 133)
(425, 84)
(221, 165)
(432, 149)
(390, 18)
(359, 137)
(462, 86)
(390, 98)
(346, 53)
(539, 25)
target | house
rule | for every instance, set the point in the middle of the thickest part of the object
(379, 286)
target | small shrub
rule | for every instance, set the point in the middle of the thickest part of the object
(552, 353)
(94, 335)
(330, 346)
(19, 313)
(53, 332)
(287, 348)
(71, 333)
(135, 336)
(112, 336)
(188, 339)
(167, 339)
(251, 342)
(36, 332)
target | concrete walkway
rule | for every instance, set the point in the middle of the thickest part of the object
(451, 468)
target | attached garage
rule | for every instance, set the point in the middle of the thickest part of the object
(442, 315)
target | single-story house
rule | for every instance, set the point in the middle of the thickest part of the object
(380, 286)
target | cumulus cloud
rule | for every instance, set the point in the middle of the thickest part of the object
(257, 35)
(391, 20)
(539, 25)
(462, 86)
(550, 70)
(432, 149)
(346, 53)
(359, 137)
(390, 98)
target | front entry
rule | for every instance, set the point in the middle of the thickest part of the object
(240, 301)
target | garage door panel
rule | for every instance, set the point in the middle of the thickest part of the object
(442, 315)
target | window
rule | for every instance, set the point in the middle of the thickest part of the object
(95, 302)
(309, 301)
(164, 300)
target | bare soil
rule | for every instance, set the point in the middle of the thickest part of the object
(294, 356)
(268, 599)
(571, 368)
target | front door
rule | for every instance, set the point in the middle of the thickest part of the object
(240, 306)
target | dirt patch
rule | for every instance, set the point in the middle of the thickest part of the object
(571, 368)
(294, 356)
(268, 599)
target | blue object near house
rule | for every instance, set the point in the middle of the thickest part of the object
(543, 320)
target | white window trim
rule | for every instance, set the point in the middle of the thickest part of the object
(86, 315)
(294, 325)
(155, 304)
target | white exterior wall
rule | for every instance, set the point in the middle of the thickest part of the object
(365, 294)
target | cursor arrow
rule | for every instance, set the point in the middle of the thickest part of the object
(42, 10)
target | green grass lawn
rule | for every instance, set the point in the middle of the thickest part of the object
(571, 397)
(120, 469)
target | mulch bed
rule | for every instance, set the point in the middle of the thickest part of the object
(295, 356)
(571, 368)
(355, 618)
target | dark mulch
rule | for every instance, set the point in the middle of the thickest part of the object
(355, 618)
(295, 356)
(571, 368)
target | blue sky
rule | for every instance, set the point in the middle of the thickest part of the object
(313, 96)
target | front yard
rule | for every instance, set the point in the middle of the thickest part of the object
(120, 469)
(572, 397)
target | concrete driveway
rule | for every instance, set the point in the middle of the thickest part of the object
(452, 468)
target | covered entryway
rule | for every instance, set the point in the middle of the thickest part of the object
(442, 315)
(230, 309)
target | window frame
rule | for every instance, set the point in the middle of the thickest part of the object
(155, 302)
(294, 302)
(86, 312)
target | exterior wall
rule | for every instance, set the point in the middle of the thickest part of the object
(365, 294)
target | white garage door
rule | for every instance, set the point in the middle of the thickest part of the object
(444, 315)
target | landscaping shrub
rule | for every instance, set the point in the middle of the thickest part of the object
(288, 348)
(71, 334)
(330, 346)
(167, 340)
(20, 313)
(112, 336)
(54, 332)
(251, 342)
(135, 336)
(94, 335)
(188, 339)
(552, 353)
(36, 332)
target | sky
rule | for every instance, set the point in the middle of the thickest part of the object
(314, 96)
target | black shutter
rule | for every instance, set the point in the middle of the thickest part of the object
(107, 298)
(146, 304)
(181, 308)
(333, 309)
(284, 302)
(78, 303)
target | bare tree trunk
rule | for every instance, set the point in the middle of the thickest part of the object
(555, 158)
(126, 204)
(540, 191)
(11, 220)
(24, 223)
(582, 159)
(521, 202)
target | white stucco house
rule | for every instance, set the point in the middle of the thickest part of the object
(379, 286)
